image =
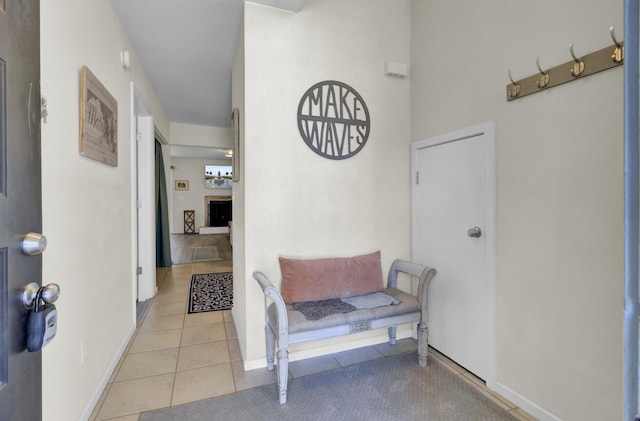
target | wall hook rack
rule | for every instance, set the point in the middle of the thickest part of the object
(543, 78)
(578, 68)
(618, 53)
(513, 90)
(578, 65)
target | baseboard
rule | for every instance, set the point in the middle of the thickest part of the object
(524, 403)
(88, 410)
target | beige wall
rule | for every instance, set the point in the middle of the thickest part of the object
(297, 203)
(559, 188)
(87, 205)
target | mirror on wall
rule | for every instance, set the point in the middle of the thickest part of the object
(218, 176)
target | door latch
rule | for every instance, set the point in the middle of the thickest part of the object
(474, 232)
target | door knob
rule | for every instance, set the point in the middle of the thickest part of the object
(50, 293)
(474, 232)
(34, 244)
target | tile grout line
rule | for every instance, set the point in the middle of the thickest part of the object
(175, 372)
(233, 376)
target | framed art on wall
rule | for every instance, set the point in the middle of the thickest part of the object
(217, 176)
(98, 120)
(182, 184)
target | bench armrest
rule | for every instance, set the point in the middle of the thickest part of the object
(424, 274)
(271, 292)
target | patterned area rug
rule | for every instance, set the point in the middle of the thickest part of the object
(211, 292)
(203, 254)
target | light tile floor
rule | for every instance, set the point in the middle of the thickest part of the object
(175, 358)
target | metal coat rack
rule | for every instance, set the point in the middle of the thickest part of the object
(577, 68)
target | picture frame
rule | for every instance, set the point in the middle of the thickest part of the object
(218, 176)
(98, 120)
(182, 184)
(235, 117)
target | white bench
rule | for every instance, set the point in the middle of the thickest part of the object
(288, 326)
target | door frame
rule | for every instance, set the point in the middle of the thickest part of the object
(486, 129)
(144, 218)
(632, 212)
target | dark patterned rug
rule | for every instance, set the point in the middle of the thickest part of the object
(211, 292)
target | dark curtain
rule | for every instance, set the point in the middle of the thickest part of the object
(163, 242)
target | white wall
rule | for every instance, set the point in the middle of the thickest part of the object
(297, 203)
(199, 136)
(204, 136)
(193, 171)
(559, 188)
(87, 207)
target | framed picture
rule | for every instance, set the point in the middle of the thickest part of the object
(235, 116)
(217, 176)
(98, 120)
(182, 184)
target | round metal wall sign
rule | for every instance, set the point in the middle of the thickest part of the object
(333, 120)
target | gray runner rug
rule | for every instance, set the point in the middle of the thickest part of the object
(204, 254)
(394, 388)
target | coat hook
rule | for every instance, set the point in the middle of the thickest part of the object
(618, 53)
(513, 90)
(613, 36)
(543, 79)
(578, 66)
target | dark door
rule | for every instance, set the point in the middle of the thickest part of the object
(20, 203)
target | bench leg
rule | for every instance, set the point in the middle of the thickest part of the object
(423, 336)
(270, 339)
(392, 335)
(283, 374)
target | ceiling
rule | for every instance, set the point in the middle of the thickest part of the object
(187, 48)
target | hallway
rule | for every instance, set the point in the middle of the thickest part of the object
(175, 357)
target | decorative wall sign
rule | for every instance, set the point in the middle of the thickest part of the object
(333, 120)
(98, 120)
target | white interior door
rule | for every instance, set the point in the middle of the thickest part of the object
(453, 231)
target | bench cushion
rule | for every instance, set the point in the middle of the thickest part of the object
(299, 323)
(322, 279)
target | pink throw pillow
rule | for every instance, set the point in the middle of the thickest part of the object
(321, 279)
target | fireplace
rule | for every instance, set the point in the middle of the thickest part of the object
(218, 211)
